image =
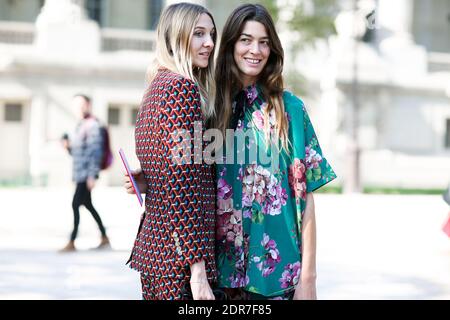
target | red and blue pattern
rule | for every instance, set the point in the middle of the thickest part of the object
(177, 228)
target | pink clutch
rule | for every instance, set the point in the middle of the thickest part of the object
(133, 182)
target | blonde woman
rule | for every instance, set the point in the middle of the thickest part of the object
(174, 247)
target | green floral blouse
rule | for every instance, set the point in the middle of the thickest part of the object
(261, 203)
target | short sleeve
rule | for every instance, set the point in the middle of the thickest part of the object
(318, 170)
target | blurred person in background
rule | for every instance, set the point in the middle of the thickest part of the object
(86, 148)
(174, 247)
(266, 231)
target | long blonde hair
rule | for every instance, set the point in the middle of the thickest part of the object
(174, 34)
(228, 78)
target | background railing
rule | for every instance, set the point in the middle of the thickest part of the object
(438, 61)
(111, 39)
(122, 39)
(16, 32)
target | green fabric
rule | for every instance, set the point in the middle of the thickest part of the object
(261, 203)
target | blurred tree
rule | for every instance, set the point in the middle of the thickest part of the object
(271, 6)
(313, 21)
(310, 20)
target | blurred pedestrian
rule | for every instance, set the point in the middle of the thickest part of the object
(174, 248)
(86, 149)
(265, 241)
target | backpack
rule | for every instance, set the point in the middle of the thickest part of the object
(107, 156)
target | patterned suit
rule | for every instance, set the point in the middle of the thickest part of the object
(177, 227)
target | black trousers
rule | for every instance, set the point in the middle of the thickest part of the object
(82, 196)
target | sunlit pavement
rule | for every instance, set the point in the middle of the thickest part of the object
(368, 246)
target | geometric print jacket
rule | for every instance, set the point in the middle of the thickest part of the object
(177, 228)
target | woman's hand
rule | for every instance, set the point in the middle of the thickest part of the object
(305, 290)
(200, 288)
(138, 176)
(90, 183)
(65, 143)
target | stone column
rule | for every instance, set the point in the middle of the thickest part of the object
(63, 29)
(37, 138)
(396, 16)
(406, 59)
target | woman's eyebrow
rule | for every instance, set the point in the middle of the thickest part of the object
(250, 36)
(203, 28)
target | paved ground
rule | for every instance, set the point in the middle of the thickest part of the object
(369, 247)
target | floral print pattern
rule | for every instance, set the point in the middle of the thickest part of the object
(229, 220)
(290, 275)
(297, 180)
(271, 257)
(258, 119)
(260, 207)
(239, 277)
(261, 187)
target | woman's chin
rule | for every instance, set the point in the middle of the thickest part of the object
(201, 65)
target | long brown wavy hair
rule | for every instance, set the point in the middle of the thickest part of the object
(228, 77)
